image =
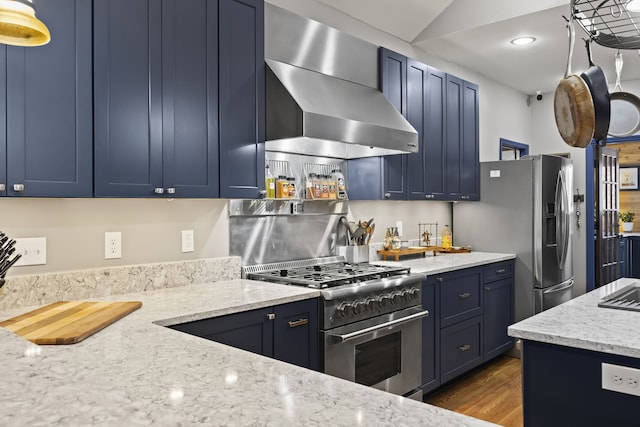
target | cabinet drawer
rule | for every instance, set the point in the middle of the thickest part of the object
(497, 271)
(460, 296)
(460, 348)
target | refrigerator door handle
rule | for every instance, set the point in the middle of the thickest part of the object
(562, 234)
(559, 287)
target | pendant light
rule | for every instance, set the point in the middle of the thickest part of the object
(19, 25)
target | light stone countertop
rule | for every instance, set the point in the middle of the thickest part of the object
(446, 262)
(580, 323)
(136, 372)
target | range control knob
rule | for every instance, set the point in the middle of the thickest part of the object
(343, 308)
(414, 293)
(358, 306)
(370, 304)
(397, 297)
(384, 300)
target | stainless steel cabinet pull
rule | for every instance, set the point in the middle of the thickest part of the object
(18, 187)
(158, 190)
(171, 190)
(2, 187)
(263, 193)
(300, 322)
(429, 196)
(464, 347)
(440, 279)
(387, 195)
(501, 270)
(271, 316)
(465, 197)
(464, 295)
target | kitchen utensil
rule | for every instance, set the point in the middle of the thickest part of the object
(68, 322)
(8, 264)
(573, 105)
(370, 231)
(625, 107)
(358, 233)
(343, 220)
(596, 80)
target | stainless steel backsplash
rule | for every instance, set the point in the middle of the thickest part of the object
(267, 231)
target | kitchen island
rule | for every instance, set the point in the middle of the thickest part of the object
(563, 352)
(138, 372)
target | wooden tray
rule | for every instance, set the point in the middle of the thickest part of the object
(68, 322)
(458, 250)
(409, 251)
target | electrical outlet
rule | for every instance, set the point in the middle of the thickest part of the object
(112, 245)
(187, 241)
(399, 227)
(33, 251)
(621, 379)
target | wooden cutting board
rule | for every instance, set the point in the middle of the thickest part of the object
(68, 322)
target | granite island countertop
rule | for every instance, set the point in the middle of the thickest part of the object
(443, 262)
(580, 323)
(137, 372)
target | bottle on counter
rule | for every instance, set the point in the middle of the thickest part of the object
(333, 187)
(447, 238)
(341, 186)
(317, 186)
(270, 183)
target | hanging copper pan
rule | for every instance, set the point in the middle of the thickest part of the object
(573, 105)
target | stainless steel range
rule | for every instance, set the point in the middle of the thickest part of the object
(369, 319)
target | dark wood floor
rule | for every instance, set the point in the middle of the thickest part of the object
(492, 392)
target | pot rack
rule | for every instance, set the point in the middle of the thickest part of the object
(608, 22)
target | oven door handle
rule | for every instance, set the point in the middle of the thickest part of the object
(346, 337)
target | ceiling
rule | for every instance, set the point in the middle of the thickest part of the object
(477, 34)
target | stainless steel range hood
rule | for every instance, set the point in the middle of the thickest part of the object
(322, 96)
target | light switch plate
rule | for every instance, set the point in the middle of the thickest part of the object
(33, 251)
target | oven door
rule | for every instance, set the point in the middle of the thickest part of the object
(384, 352)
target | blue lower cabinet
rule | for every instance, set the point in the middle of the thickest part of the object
(460, 295)
(430, 337)
(562, 386)
(461, 348)
(287, 332)
(498, 315)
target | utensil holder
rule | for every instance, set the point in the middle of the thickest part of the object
(354, 253)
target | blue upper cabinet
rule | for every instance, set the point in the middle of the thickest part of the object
(47, 117)
(393, 83)
(444, 110)
(179, 98)
(470, 158)
(242, 116)
(3, 120)
(128, 98)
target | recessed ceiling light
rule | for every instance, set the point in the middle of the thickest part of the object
(521, 41)
(633, 6)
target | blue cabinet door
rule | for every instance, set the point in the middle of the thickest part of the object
(393, 83)
(49, 107)
(460, 295)
(364, 180)
(453, 132)
(469, 155)
(434, 137)
(295, 333)
(498, 315)
(241, 86)
(127, 98)
(3, 120)
(190, 98)
(250, 330)
(430, 336)
(417, 115)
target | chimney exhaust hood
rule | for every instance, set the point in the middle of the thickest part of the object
(321, 93)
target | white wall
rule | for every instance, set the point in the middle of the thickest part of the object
(151, 228)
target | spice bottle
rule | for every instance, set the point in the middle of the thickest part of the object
(325, 187)
(308, 186)
(282, 187)
(317, 186)
(447, 238)
(333, 187)
(341, 186)
(270, 183)
(292, 187)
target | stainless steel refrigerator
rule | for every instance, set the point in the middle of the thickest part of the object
(525, 208)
